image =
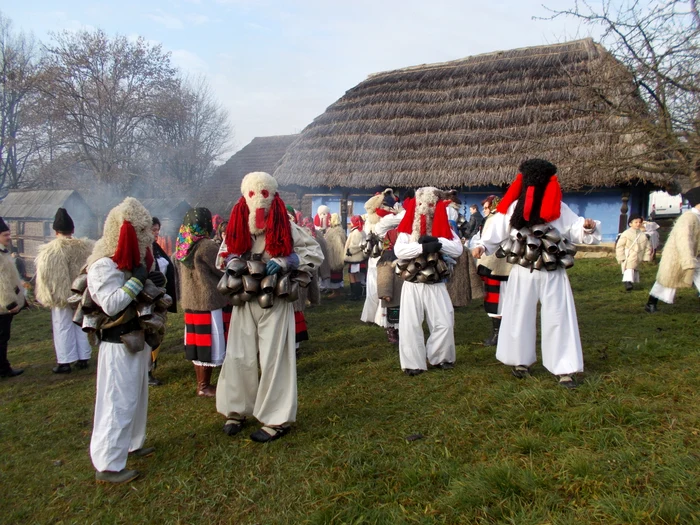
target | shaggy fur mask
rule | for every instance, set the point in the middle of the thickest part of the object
(324, 217)
(335, 220)
(140, 218)
(258, 189)
(377, 206)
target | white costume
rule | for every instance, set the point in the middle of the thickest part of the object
(69, 340)
(121, 405)
(561, 343)
(259, 376)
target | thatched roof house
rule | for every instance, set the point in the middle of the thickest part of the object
(222, 191)
(466, 123)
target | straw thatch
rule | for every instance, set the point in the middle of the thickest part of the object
(221, 192)
(465, 123)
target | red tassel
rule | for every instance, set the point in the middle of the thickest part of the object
(127, 255)
(278, 231)
(237, 237)
(550, 210)
(511, 195)
(441, 224)
(406, 224)
(529, 199)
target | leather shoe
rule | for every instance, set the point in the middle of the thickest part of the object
(109, 476)
(11, 372)
(82, 364)
(650, 308)
(143, 452)
(413, 371)
(62, 369)
(153, 381)
(261, 436)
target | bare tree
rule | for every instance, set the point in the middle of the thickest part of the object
(659, 43)
(189, 136)
(103, 92)
(18, 80)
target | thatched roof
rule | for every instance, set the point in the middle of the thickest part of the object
(42, 204)
(469, 122)
(222, 191)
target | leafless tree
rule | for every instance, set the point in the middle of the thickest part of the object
(18, 81)
(103, 93)
(659, 43)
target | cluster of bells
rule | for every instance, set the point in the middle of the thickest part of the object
(245, 280)
(537, 248)
(429, 268)
(150, 310)
(372, 246)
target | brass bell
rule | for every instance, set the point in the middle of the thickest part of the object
(153, 339)
(553, 235)
(151, 292)
(153, 323)
(525, 263)
(78, 317)
(512, 258)
(268, 285)
(92, 322)
(412, 269)
(566, 261)
(87, 304)
(293, 292)
(518, 248)
(301, 277)
(134, 341)
(256, 268)
(145, 309)
(522, 234)
(420, 262)
(251, 285)
(234, 283)
(236, 300)
(236, 267)
(74, 299)
(441, 267)
(164, 302)
(266, 300)
(531, 253)
(79, 284)
(427, 274)
(540, 230)
(550, 261)
(402, 264)
(539, 263)
(284, 286)
(221, 285)
(549, 246)
(432, 258)
(245, 296)
(571, 248)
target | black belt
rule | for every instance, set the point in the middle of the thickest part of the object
(112, 335)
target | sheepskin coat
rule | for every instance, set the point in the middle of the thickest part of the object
(680, 253)
(324, 271)
(353, 248)
(632, 248)
(198, 284)
(11, 289)
(335, 243)
(459, 285)
(57, 265)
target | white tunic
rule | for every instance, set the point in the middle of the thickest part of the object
(561, 342)
(121, 404)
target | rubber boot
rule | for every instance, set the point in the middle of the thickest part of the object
(493, 339)
(204, 389)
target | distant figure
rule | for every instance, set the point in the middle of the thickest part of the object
(11, 298)
(680, 260)
(632, 248)
(57, 265)
(20, 264)
(470, 228)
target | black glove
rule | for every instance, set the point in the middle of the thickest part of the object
(432, 247)
(427, 238)
(157, 278)
(140, 273)
(347, 253)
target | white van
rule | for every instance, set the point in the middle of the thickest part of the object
(661, 204)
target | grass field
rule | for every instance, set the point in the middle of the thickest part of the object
(622, 448)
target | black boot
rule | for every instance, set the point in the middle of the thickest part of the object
(493, 339)
(651, 305)
(62, 368)
(356, 291)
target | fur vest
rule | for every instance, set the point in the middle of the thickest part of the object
(632, 248)
(198, 284)
(324, 271)
(680, 253)
(335, 242)
(11, 289)
(353, 248)
(57, 265)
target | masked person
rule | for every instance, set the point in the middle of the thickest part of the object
(425, 233)
(335, 241)
(57, 265)
(196, 253)
(355, 257)
(11, 298)
(258, 377)
(116, 275)
(532, 208)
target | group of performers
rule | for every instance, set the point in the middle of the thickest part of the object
(243, 285)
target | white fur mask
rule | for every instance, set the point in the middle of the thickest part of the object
(258, 189)
(426, 200)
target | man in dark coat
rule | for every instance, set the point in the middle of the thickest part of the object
(470, 228)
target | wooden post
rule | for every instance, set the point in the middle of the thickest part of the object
(623, 212)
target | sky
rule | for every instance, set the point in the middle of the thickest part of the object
(277, 65)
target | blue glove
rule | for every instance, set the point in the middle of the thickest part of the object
(272, 267)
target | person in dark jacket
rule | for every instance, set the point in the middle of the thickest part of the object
(470, 228)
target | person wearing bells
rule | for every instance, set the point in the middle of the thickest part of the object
(117, 272)
(534, 199)
(57, 265)
(425, 230)
(258, 377)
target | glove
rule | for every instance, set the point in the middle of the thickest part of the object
(347, 253)
(157, 278)
(140, 273)
(427, 238)
(432, 247)
(272, 267)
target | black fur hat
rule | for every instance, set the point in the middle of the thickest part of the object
(693, 196)
(62, 222)
(537, 192)
(3, 226)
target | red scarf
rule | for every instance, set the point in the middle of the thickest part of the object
(278, 244)
(441, 226)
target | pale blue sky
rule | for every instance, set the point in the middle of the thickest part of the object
(276, 65)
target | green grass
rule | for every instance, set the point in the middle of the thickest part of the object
(622, 448)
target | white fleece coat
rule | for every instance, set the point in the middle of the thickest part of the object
(57, 265)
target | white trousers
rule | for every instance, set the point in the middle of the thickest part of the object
(501, 295)
(561, 342)
(630, 275)
(121, 405)
(668, 295)
(264, 339)
(369, 311)
(69, 340)
(430, 302)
